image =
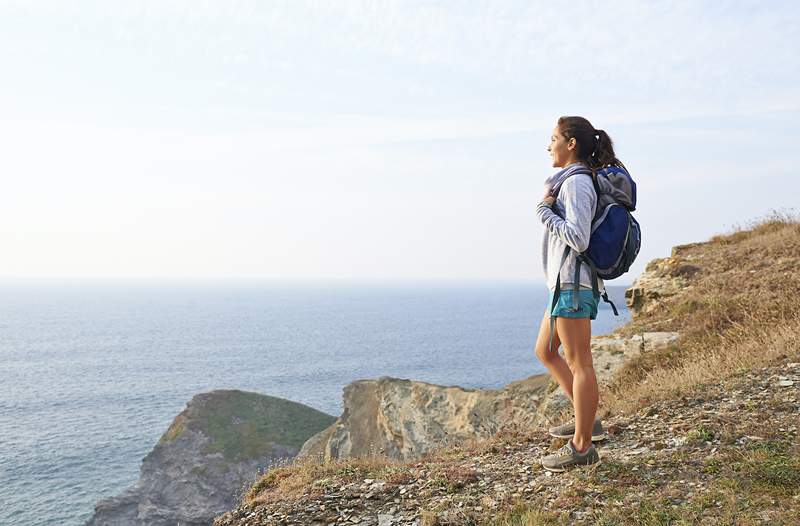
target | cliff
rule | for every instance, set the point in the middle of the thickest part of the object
(699, 395)
(404, 419)
(216, 446)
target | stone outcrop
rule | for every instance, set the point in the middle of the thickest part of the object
(662, 278)
(216, 446)
(403, 419)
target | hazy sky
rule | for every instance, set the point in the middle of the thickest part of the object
(407, 140)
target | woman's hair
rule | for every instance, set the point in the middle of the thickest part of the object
(595, 148)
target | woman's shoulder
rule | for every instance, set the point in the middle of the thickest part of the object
(578, 183)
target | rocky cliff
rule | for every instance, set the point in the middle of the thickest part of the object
(402, 419)
(216, 446)
(663, 278)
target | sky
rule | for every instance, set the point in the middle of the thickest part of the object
(313, 140)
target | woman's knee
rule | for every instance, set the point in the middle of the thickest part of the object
(578, 358)
(546, 355)
(546, 350)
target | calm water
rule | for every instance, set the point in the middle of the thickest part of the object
(93, 373)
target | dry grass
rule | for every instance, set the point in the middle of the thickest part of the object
(308, 476)
(526, 514)
(750, 485)
(311, 477)
(740, 312)
(689, 371)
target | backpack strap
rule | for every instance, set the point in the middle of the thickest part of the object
(556, 294)
(576, 282)
(595, 289)
(613, 307)
(596, 186)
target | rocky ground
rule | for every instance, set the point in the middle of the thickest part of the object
(725, 454)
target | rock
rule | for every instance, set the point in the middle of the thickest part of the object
(661, 279)
(403, 419)
(213, 448)
(610, 352)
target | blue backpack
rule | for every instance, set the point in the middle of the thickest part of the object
(615, 236)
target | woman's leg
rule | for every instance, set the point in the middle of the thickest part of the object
(576, 334)
(550, 357)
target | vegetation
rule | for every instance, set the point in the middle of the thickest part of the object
(739, 311)
(244, 425)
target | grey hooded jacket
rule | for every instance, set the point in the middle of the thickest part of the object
(576, 204)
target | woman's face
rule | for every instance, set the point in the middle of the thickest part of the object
(561, 150)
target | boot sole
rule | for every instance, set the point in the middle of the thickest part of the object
(595, 438)
(561, 470)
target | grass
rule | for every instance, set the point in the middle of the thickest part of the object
(770, 467)
(243, 425)
(309, 476)
(526, 514)
(455, 477)
(700, 434)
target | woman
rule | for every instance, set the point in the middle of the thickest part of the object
(567, 209)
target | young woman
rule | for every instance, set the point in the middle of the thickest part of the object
(566, 211)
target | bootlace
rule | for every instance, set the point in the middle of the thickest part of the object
(565, 450)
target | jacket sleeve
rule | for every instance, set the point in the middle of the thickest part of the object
(578, 199)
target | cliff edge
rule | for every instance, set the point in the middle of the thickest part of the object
(219, 443)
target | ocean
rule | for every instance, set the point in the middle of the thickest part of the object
(92, 373)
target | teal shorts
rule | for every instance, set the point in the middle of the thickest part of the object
(587, 304)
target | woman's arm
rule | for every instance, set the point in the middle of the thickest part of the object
(579, 199)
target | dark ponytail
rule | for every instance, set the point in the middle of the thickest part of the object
(595, 147)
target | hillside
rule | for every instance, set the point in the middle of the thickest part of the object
(211, 449)
(702, 429)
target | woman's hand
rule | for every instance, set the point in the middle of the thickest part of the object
(548, 199)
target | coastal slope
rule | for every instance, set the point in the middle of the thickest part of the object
(217, 445)
(701, 429)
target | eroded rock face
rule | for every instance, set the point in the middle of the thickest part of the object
(661, 279)
(403, 419)
(609, 352)
(211, 451)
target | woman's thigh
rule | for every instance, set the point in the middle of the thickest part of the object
(543, 340)
(576, 336)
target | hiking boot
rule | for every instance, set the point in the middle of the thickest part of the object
(567, 456)
(568, 430)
